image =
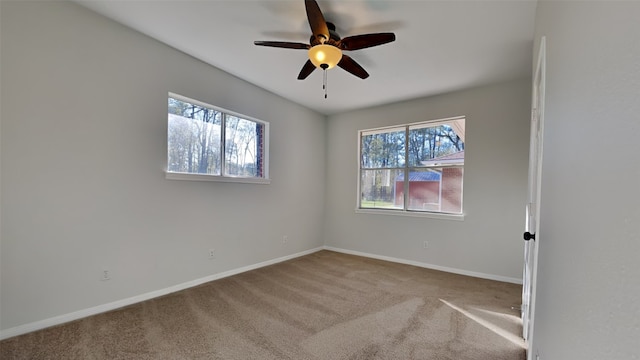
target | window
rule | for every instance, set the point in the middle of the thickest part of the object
(209, 143)
(414, 168)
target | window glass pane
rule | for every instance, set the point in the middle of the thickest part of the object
(381, 189)
(193, 138)
(383, 150)
(435, 145)
(244, 147)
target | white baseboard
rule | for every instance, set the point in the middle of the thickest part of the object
(429, 266)
(57, 320)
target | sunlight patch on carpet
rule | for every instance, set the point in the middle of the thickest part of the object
(489, 325)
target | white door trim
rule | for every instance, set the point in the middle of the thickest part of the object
(537, 132)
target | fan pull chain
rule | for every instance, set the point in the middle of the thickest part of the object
(324, 68)
(324, 82)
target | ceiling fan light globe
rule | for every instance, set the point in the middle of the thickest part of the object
(325, 54)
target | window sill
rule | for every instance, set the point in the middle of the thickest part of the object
(418, 214)
(205, 177)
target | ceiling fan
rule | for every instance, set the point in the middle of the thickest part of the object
(325, 45)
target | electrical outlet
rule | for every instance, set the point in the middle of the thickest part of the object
(212, 254)
(285, 239)
(106, 275)
(425, 244)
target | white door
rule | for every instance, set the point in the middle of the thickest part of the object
(533, 196)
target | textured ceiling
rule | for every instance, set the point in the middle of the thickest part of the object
(441, 46)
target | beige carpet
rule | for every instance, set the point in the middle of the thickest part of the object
(321, 306)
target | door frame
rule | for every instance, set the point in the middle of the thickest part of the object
(534, 194)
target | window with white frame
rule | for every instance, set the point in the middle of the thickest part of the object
(209, 143)
(414, 167)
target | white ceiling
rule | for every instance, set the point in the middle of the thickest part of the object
(441, 46)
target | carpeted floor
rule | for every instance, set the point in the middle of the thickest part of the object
(325, 305)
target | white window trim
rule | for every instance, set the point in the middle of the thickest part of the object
(428, 123)
(402, 212)
(410, 213)
(207, 177)
(169, 175)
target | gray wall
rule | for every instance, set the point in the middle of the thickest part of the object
(588, 289)
(488, 241)
(83, 156)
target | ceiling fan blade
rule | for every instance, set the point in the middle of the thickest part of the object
(367, 40)
(282, 44)
(307, 69)
(316, 19)
(353, 67)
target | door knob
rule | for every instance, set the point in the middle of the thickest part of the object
(528, 236)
